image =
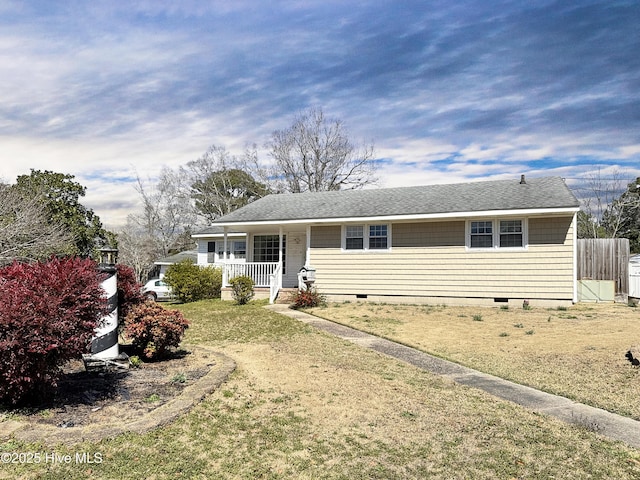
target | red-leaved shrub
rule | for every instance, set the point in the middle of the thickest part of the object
(306, 299)
(129, 291)
(48, 314)
(153, 329)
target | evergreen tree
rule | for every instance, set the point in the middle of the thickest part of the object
(60, 195)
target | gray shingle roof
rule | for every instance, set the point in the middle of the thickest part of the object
(485, 196)
(179, 257)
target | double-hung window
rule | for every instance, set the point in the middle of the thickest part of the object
(366, 237)
(496, 234)
(378, 237)
(354, 237)
(236, 249)
(481, 234)
(511, 233)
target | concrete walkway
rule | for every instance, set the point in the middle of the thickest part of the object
(605, 423)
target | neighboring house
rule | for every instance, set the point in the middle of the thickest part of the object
(177, 258)
(489, 242)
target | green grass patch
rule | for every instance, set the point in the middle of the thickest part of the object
(218, 322)
(154, 397)
(179, 378)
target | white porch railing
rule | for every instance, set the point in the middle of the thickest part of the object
(275, 283)
(260, 272)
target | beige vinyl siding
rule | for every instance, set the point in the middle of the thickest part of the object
(430, 259)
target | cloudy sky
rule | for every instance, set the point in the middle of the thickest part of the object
(448, 91)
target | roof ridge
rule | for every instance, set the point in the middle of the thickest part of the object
(404, 187)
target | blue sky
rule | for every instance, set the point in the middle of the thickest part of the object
(447, 91)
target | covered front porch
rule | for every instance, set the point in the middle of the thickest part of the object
(273, 257)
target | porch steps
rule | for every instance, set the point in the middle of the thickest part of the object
(263, 292)
(282, 298)
(283, 295)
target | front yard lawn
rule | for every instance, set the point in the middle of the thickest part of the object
(578, 352)
(305, 405)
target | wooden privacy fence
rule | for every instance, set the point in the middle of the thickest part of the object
(605, 259)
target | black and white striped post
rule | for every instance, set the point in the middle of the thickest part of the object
(104, 345)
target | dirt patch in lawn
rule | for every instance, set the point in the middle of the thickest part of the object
(96, 405)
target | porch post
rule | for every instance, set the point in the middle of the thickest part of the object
(280, 256)
(225, 274)
(224, 254)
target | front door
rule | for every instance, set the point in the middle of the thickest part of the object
(295, 258)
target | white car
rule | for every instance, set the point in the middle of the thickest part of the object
(156, 289)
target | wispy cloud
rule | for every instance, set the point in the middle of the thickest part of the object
(448, 91)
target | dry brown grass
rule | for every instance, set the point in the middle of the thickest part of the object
(303, 404)
(577, 352)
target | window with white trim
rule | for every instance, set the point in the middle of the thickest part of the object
(236, 249)
(266, 248)
(378, 237)
(366, 237)
(354, 237)
(482, 234)
(511, 234)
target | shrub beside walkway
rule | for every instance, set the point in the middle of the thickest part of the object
(605, 423)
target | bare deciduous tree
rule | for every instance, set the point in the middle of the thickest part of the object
(316, 154)
(220, 183)
(135, 249)
(599, 193)
(167, 215)
(622, 217)
(26, 231)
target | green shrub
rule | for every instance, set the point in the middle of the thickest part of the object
(307, 299)
(190, 282)
(154, 330)
(242, 289)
